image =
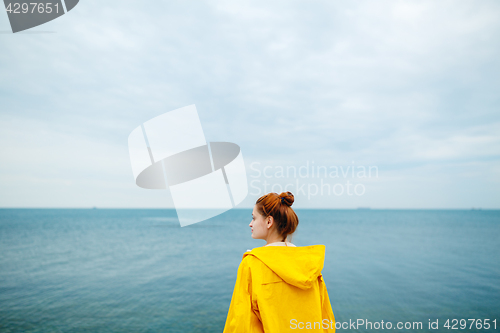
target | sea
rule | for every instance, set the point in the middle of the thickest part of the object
(137, 270)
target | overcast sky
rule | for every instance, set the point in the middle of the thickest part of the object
(410, 88)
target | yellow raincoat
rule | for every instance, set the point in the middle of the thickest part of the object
(281, 289)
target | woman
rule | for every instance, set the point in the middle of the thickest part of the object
(279, 287)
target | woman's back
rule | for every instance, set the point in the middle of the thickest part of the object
(281, 289)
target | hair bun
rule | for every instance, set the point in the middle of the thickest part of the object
(286, 198)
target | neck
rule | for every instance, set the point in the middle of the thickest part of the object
(274, 239)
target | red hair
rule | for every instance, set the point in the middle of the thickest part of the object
(279, 207)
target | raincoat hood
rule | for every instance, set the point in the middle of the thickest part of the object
(299, 266)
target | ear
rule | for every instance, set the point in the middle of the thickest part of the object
(270, 221)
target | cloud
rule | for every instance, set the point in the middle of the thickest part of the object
(398, 84)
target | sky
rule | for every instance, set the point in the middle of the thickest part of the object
(406, 89)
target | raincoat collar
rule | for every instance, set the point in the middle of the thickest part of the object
(299, 266)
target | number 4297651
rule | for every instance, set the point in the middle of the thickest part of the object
(478, 324)
(32, 7)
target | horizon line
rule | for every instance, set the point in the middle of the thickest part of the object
(241, 208)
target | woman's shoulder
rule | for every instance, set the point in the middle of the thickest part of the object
(249, 260)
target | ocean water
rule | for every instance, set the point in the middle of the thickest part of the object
(127, 270)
